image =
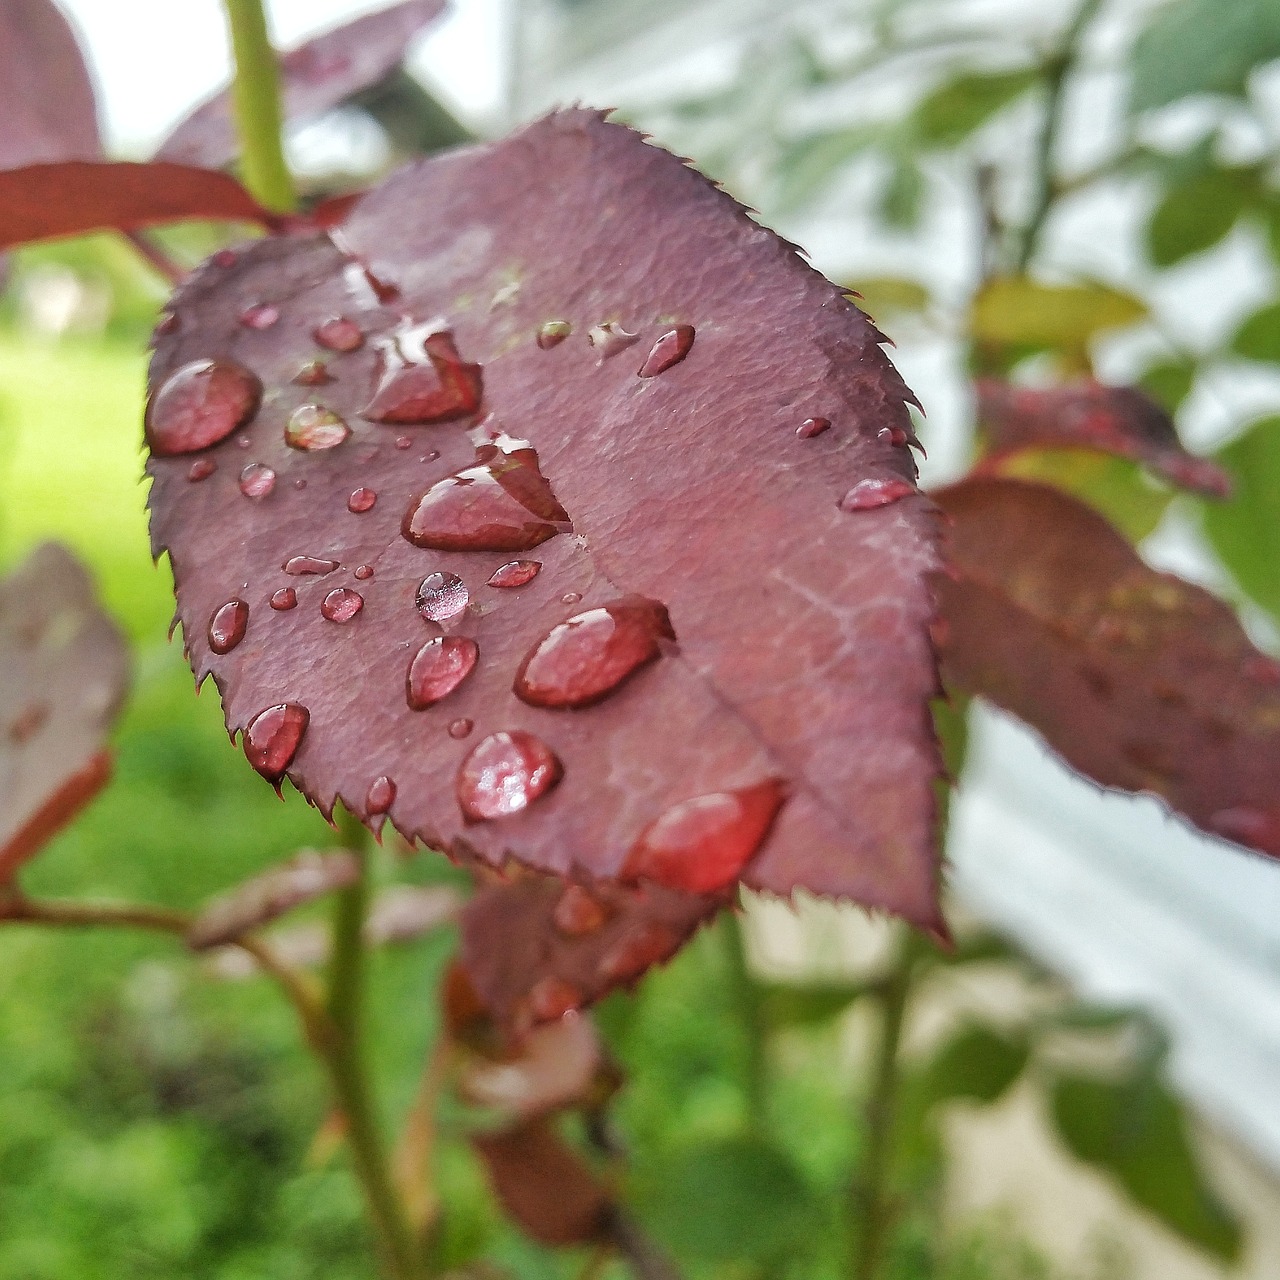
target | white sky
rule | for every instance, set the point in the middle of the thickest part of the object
(153, 59)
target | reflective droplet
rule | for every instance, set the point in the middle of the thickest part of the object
(260, 316)
(201, 469)
(339, 334)
(315, 373)
(361, 500)
(312, 427)
(380, 796)
(701, 845)
(404, 442)
(894, 436)
(199, 405)
(442, 596)
(571, 597)
(515, 573)
(550, 998)
(610, 338)
(227, 626)
(299, 565)
(273, 737)
(876, 491)
(285, 598)
(257, 480)
(811, 427)
(299, 484)
(341, 604)
(637, 951)
(505, 773)
(578, 912)
(438, 668)
(243, 442)
(423, 379)
(669, 349)
(225, 258)
(461, 728)
(363, 571)
(553, 333)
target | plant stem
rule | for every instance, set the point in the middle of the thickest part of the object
(746, 998)
(156, 256)
(256, 95)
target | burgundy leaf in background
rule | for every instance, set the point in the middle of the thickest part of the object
(1118, 420)
(64, 671)
(315, 77)
(1138, 679)
(44, 201)
(800, 670)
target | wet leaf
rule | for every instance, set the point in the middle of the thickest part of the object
(315, 77)
(1139, 680)
(800, 666)
(44, 201)
(64, 671)
(1019, 311)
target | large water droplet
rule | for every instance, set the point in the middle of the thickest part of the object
(312, 427)
(702, 845)
(669, 349)
(423, 379)
(200, 404)
(315, 373)
(227, 626)
(361, 500)
(515, 573)
(300, 565)
(201, 469)
(461, 728)
(380, 796)
(339, 334)
(442, 596)
(285, 598)
(438, 668)
(505, 773)
(578, 912)
(550, 998)
(341, 604)
(811, 427)
(553, 333)
(610, 338)
(592, 654)
(637, 951)
(273, 737)
(876, 491)
(261, 315)
(257, 480)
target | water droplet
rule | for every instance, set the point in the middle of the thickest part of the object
(298, 565)
(551, 998)
(273, 737)
(404, 442)
(702, 845)
(285, 598)
(515, 573)
(442, 596)
(461, 728)
(339, 334)
(669, 349)
(243, 442)
(423, 379)
(364, 572)
(503, 505)
(380, 796)
(578, 912)
(199, 405)
(361, 500)
(505, 773)
(610, 338)
(438, 668)
(591, 655)
(811, 427)
(299, 484)
(257, 480)
(638, 950)
(315, 373)
(553, 333)
(313, 427)
(225, 258)
(876, 491)
(341, 604)
(201, 469)
(259, 316)
(227, 626)
(894, 436)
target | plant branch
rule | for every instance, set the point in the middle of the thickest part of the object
(156, 256)
(416, 1151)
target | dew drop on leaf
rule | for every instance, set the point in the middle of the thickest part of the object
(637, 951)
(273, 737)
(875, 492)
(811, 427)
(199, 405)
(550, 998)
(257, 480)
(363, 571)
(314, 373)
(201, 469)
(571, 597)
(380, 796)
(442, 596)
(225, 258)
(285, 598)
(312, 427)
(578, 912)
(669, 349)
(339, 334)
(611, 338)
(260, 316)
(423, 379)
(460, 728)
(227, 626)
(404, 442)
(438, 668)
(300, 566)
(553, 333)
(361, 500)
(515, 573)
(341, 604)
(505, 773)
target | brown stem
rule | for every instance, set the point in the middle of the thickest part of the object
(157, 257)
(414, 1156)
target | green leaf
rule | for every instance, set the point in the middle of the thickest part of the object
(902, 197)
(1196, 214)
(958, 107)
(809, 164)
(1202, 46)
(1258, 337)
(1169, 383)
(976, 1065)
(787, 1005)
(1245, 532)
(1016, 310)
(1135, 1131)
(890, 295)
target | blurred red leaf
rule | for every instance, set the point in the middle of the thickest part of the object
(1118, 420)
(44, 201)
(801, 666)
(1139, 680)
(64, 671)
(315, 77)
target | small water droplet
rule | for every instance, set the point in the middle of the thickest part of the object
(339, 334)
(227, 626)
(423, 379)
(361, 500)
(312, 427)
(553, 333)
(201, 469)
(438, 668)
(637, 951)
(461, 728)
(259, 316)
(299, 484)
(273, 737)
(442, 596)
(380, 796)
(225, 258)
(341, 604)
(876, 491)
(894, 436)
(610, 338)
(669, 349)
(811, 427)
(315, 373)
(257, 480)
(199, 405)
(571, 597)
(243, 442)
(505, 773)
(515, 573)
(299, 565)
(285, 598)
(551, 998)
(404, 442)
(364, 572)
(578, 912)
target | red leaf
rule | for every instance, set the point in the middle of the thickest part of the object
(44, 201)
(1139, 680)
(64, 671)
(1118, 420)
(46, 95)
(315, 77)
(681, 503)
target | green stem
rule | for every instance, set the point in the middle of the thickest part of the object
(256, 95)
(745, 992)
